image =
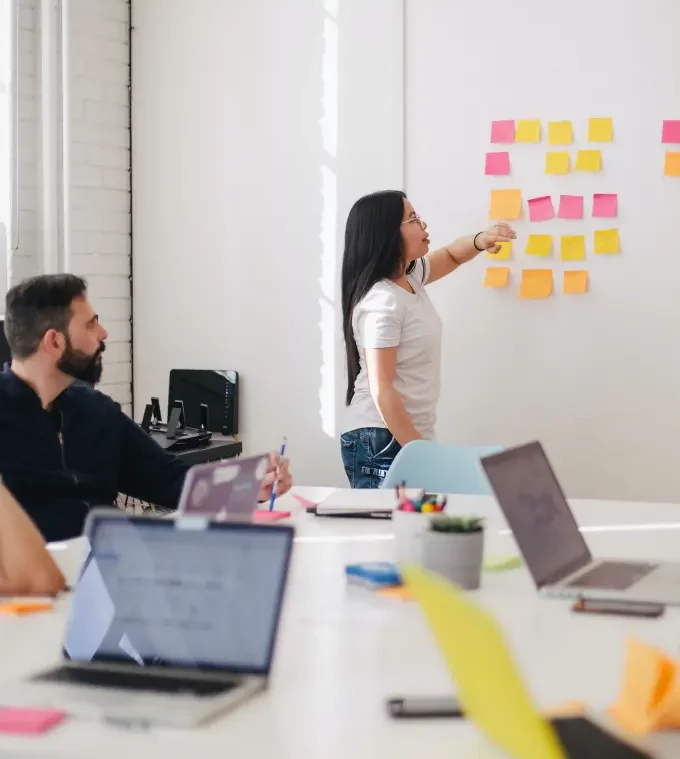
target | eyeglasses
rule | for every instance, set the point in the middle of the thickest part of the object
(413, 218)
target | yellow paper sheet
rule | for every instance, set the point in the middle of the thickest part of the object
(536, 283)
(490, 686)
(560, 133)
(505, 204)
(573, 248)
(528, 131)
(607, 241)
(504, 252)
(539, 245)
(575, 282)
(497, 276)
(600, 130)
(672, 165)
(557, 162)
(589, 160)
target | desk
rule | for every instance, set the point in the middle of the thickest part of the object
(342, 650)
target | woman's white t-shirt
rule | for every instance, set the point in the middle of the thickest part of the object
(386, 317)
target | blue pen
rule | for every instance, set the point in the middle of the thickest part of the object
(273, 496)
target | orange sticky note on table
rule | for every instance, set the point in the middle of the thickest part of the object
(25, 607)
(505, 204)
(575, 282)
(497, 276)
(536, 283)
(672, 166)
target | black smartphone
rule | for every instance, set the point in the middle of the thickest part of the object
(424, 706)
(618, 606)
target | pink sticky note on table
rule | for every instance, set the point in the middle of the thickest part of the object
(29, 721)
(264, 515)
(497, 163)
(541, 209)
(571, 207)
(305, 502)
(671, 131)
(502, 131)
(605, 205)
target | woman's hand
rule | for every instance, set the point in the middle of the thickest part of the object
(278, 476)
(495, 234)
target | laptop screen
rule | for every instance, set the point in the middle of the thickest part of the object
(538, 513)
(159, 592)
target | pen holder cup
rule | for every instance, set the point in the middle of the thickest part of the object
(455, 556)
(409, 528)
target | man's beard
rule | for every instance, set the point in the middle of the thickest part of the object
(82, 366)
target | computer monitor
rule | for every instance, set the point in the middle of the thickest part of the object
(216, 388)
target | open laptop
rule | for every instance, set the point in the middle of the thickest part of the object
(171, 622)
(490, 686)
(553, 548)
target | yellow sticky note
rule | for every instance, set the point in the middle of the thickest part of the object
(490, 685)
(573, 248)
(560, 133)
(497, 276)
(528, 131)
(557, 162)
(539, 245)
(503, 253)
(600, 130)
(536, 283)
(505, 204)
(607, 241)
(589, 160)
(672, 166)
(575, 282)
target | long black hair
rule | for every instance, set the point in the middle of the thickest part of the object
(374, 250)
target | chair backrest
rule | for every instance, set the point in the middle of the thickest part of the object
(441, 468)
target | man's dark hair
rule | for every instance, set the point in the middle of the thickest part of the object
(37, 305)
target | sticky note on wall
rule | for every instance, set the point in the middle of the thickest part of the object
(504, 252)
(607, 241)
(671, 132)
(560, 133)
(539, 245)
(557, 162)
(672, 166)
(589, 160)
(528, 131)
(502, 131)
(541, 209)
(605, 205)
(497, 276)
(536, 283)
(600, 130)
(571, 207)
(573, 248)
(575, 282)
(505, 204)
(497, 164)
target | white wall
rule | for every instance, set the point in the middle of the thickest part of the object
(594, 377)
(240, 195)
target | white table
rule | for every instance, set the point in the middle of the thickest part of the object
(342, 650)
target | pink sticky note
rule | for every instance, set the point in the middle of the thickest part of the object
(605, 205)
(502, 131)
(497, 163)
(571, 207)
(541, 209)
(305, 502)
(29, 721)
(671, 131)
(264, 515)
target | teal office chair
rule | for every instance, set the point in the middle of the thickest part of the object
(441, 468)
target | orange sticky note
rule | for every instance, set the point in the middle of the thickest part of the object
(575, 282)
(672, 167)
(399, 593)
(25, 607)
(505, 204)
(497, 276)
(536, 283)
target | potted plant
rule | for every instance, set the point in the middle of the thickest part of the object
(453, 547)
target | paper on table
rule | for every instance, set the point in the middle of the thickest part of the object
(600, 130)
(589, 160)
(536, 283)
(21, 608)
(497, 276)
(25, 721)
(560, 133)
(503, 253)
(502, 131)
(575, 282)
(607, 241)
(505, 204)
(573, 248)
(605, 205)
(539, 245)
(571, 207)
(541, 209)
(672, 165)
(528, 130)
(497, 164)
(671, 131)
(557, 162)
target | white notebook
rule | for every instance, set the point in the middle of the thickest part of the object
(345, 501)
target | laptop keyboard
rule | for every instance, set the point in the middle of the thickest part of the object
(136, 682)
(613, 575)
(583, 739)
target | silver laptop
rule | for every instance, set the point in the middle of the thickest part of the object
(553, 548)
(171, 622)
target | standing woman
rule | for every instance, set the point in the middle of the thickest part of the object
(391, 329)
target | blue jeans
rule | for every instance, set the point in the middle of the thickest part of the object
(367, 454)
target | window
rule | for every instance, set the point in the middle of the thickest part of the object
(5, 170)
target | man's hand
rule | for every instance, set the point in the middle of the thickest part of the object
(281, 481)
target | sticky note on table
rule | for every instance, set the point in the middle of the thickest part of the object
(541, 209)
(557, 162)
(20, 608)
(497, 164)
(21, 721)
(589, 160)
(600, 130)
(605, 205)
(573, 248)
(539, 245)
(671, 131)
(607, 241)
(528, 130)
(505, 204)
(571, 207)
(497, 276)
(536, 283)
(672, 167)
(502, 131)
(575, 282)
(504, 252)
(560, 133)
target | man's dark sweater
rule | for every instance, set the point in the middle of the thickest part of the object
(80, 454)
